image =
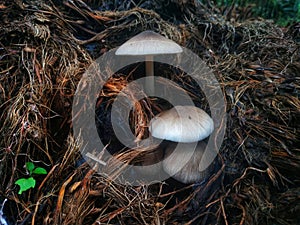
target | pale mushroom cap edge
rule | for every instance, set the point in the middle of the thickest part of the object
(182, 124)
(148, 43)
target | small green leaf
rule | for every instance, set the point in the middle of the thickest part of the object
(39, 170)
(25, 184)
(30, 166)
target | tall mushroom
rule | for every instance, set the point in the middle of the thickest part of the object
(186, 125)
(149, 44)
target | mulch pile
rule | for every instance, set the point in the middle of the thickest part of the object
(46, 46)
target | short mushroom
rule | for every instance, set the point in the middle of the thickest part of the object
(148, 44)
(186, 152)
(188, 126)
(2, 219)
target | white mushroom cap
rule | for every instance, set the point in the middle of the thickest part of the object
(182, 124)
(148, 43)
(186, 154)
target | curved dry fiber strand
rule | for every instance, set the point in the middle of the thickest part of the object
(30, 80)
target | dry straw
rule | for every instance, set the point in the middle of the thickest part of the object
(45, 49)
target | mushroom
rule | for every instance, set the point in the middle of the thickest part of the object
(149, 43)
(2, 219)
(191, 155)
(186, 125)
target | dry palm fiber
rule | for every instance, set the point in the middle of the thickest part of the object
(46, 47)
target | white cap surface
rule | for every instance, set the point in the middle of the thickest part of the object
(182, 124)
(148, 43)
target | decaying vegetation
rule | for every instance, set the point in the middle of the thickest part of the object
(46, 46)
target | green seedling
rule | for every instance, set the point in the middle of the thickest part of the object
(27, 183)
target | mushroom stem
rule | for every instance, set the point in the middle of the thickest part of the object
(184, 163)
(150, 74)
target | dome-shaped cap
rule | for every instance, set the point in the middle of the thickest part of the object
(182, 124)
(148, 43)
